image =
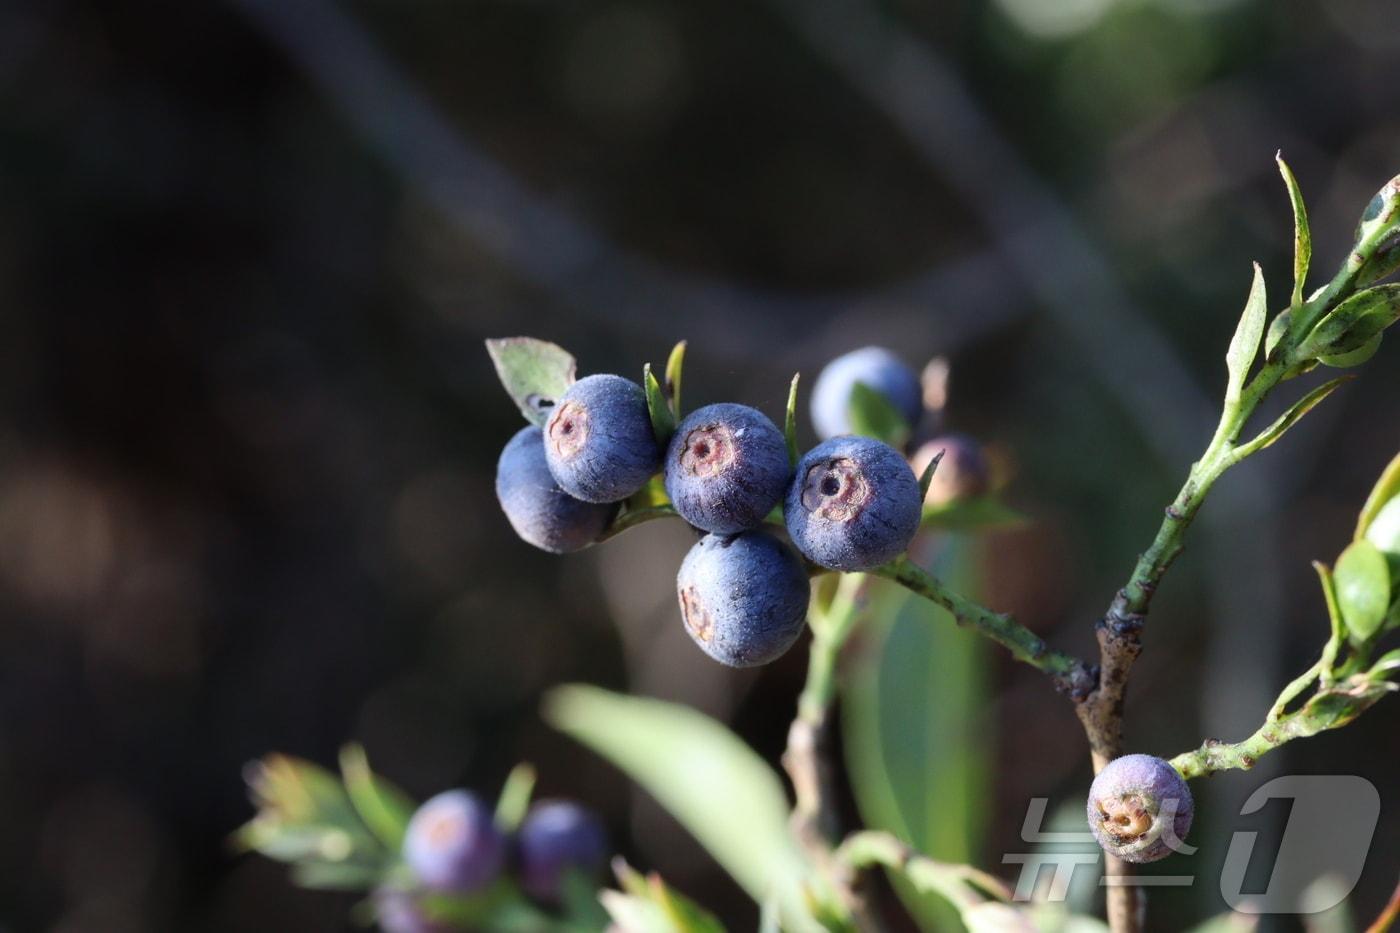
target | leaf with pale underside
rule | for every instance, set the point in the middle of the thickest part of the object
(1244, 345)
(1302, 236)
(534, 373)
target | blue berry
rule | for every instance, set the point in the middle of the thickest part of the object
(726, 468)
(556, 838)
(853, 504)
(452, 844)
(963, 473)
(743, 597)
(1139, 808)
(877, 368)
(540, 512)
(399, 911)
(599, 440)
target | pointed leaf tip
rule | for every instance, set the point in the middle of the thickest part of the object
(674, 363)
(790, 422)
(663, 420)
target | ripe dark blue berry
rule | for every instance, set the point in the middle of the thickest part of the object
(743, 597)
(599, 441)
(540, 512)
(963, 473)
(556, 838)
(853, 504)
(877, 368)
(726, 468)
(452, 844)
(1139, 808)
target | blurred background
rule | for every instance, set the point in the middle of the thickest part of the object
(248, 255)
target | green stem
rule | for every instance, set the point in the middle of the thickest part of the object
(1331, 707)
(631, 518)
(1024, 645)
(961, 885)
(830, 629)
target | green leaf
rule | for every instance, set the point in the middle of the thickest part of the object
(1355, 357)
(1288, 419)
(1302, 236)
(384, 808)
(1278, 329)
(663, 420)
(1353, 323)
(709, 780)
(1386, 489)
(1362, 578)
(982, 513)
(304, 813)
(873, 415)
(1386, 664)
(674, 363)
(919, 761)
(1244, 345)
(790, 422)
(927, 477)
(648, 905)
(534, 372)
(514, 800)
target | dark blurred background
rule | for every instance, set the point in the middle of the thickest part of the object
(248, 254)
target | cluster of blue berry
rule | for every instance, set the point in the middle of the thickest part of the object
(453, 847)
(851, 503)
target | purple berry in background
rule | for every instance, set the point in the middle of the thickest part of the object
(854, 504)
(452, 844)
(877, 368)
(556, 838)
(599, 441)
(541, 513)
(743, 597)
(1139, 808)
(963, 473)
(726, 468)
(401, 912)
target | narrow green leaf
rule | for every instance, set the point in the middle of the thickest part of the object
(534, 372)
(709, 780)
(1362, 578)
(674, 363)
(873, 415)
(1244, 345)
(927, 477)
(1386, 664)
(918, 760)
(790, 422)
(1302, 236)
(384, 808)
(1289, 418)
(663, 420)
(1278, 329)
(1353, 323)
(1386, 489)
(514, 800)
